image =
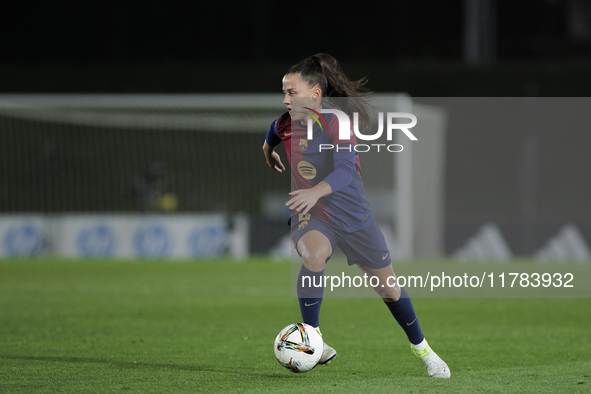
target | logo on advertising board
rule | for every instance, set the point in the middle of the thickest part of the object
(208, 241)
(96, 240)
(24, 239)
(152, 241)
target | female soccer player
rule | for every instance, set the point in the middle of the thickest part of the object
(328, 202)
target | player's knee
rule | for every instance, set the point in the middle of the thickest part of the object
(389, 294)
(315, 260)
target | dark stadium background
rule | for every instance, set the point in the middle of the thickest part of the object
(531, 48)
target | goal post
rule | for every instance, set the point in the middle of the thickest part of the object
(418, 186)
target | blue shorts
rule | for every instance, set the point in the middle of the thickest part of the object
(366, 247)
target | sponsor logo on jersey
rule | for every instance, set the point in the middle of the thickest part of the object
(306, 170)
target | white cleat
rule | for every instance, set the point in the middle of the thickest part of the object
(328, 354)
(436, 367)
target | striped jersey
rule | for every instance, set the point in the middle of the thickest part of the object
(313, 161)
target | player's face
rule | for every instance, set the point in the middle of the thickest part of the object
(308, 96)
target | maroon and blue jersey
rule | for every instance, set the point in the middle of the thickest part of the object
(346, 207)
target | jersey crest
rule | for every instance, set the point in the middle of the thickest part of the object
(303, 145)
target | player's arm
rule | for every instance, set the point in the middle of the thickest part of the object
(271, 141)
(272, 157)
(344, 166)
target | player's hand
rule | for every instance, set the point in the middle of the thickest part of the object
(303, 200)
(274, 161)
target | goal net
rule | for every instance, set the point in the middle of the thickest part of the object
(177, 155)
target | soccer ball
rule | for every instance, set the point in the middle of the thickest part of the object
(298, 347)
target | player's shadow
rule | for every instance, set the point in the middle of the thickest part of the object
(129, 364)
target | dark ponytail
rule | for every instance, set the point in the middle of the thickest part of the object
(323, 70)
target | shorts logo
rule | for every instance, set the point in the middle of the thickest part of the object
(303, 224)
(306, 170)
(304, 217)
(303, 145)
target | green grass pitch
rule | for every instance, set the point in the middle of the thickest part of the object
(209, 326)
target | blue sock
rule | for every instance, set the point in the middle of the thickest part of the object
(405, 315)
(310, 292)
